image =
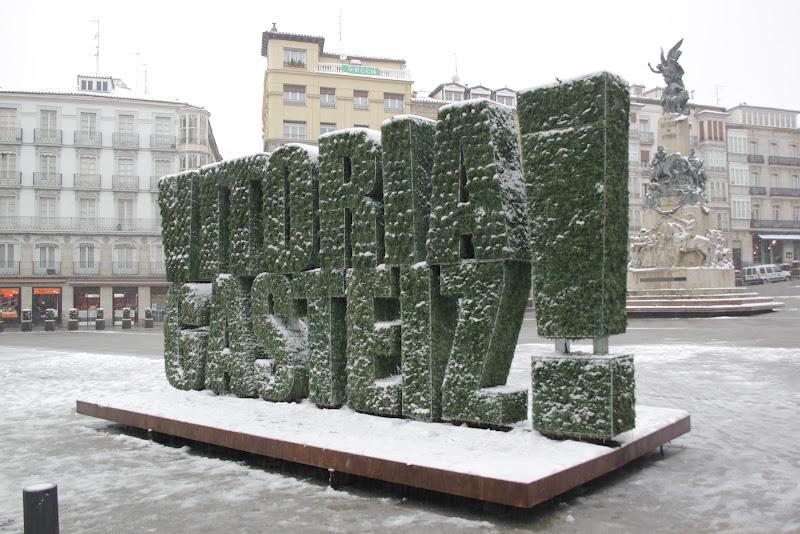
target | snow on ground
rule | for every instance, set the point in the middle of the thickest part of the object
(737, 471)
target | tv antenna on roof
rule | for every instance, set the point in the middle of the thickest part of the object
(96, 45)
(342, 55)
(717, 89)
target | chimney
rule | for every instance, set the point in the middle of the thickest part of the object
(274, 28)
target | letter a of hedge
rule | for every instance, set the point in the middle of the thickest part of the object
(575, 144)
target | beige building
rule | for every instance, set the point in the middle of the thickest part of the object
(764, 163)
(454, 91)
(309, 91)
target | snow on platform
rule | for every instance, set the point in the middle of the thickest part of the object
(518, 468)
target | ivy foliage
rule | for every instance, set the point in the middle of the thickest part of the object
(407, 142)
(291, 209)
(278, 307)
(179, 228)
(583, 396)
(245, 179)
(232, 345)
(351, 199)
(185, 346)
(575, 146)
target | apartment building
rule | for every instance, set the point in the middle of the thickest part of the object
(309, 91)
(79, 219)
(454, 91)
(764, 166)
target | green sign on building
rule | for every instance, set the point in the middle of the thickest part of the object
(359, 69)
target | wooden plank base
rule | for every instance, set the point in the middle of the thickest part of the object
(474, 486)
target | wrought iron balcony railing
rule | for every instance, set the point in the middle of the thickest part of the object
(124, 267)
(24, 223)
(86, 268)
(47, 136)
(9, 268)
(44, 268)
(758, 190)
(10, 135)
(783, 160)
(124, 182)
(13, 178)
(755, 158)
(646, 138)
(162, 142)
(47, 179)
(154, 182)
(125, 140)
(774, 223)
(87, 138)
(87, 181)
(157, 268)
(784, 192)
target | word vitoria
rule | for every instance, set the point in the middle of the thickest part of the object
(390, 270)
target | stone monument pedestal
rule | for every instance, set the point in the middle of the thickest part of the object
(673, 133)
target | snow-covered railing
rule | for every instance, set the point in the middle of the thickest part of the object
(362, 70)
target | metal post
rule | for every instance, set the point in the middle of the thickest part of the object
(600, 344)
(40, 509)
(562, 345)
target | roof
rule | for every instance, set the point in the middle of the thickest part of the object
(766, 108)
(116, 94)
(267, 36)
(441, 85)
(428, 100)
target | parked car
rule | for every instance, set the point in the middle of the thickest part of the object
(796, 269)
(761, 274)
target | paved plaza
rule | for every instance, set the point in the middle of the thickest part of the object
(737, 471)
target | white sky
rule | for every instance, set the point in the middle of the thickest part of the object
(209, 53)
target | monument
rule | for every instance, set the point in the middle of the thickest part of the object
(677, 247)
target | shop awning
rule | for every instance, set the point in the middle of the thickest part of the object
(782, 237)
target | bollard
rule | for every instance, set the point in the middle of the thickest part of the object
(40, 509)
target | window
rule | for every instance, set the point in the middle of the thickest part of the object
(8, 167)
(454, 96)
(327, 97)
(87, 208)
(755, 179)
(715, 159)
(87, 256)
(294, 57)
(325, 127)
(294, 94)
(633, 152)
(392, 102)
(361, 126)
(8, 119)
(163, 125)
(792, 151)
(737, 144)
(738, 175)
(295, 130)
(46, 257)
(88, 165)
(740, 208)
(360, 99)
(123, 257)
(753, 147)
(756, 212)
(776, 213)
(157, 253)
(773, 149)
(191, 129)
(506, 100)
(47, 165)
(124, 213)
(47, 121)
(7, 258)
(796, 213)
(88, 126)
(126, 166)
(644, 125)
(635, 219)
(163, 166)
(776, 179)
(126, 124)
(796, 181)
(47, 207)
(202, 159)
(8, 206)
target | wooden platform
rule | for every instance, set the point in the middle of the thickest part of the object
(462, 461)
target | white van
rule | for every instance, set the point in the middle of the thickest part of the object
(760, 274)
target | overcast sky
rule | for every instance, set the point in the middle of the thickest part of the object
(209, 53)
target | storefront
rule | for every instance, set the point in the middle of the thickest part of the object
(125, 297)
(158, 299)
(86, 300)
(776, 248)
(45, 298)
(10, 305)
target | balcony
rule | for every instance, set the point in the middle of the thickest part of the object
(633, 132)
(758, 190)
(47, 179)
(362, 70)
(157, 268)
(87, 181)
(10, 178)
(785, 161)
(121, 182)
(25, 223)
(86, 268)
(646, 138)
(192, 140)
(11, 135)
(47, 137)
(9, 268)
(154, 182)
(772, 223)
(162, 142)
(88, 139)
(755, 158)
(125, 140)
(124, 267)
(784, 192)
(45, 268)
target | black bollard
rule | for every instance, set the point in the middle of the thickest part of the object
(40, 509)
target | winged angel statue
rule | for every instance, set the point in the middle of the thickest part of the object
(675, 96)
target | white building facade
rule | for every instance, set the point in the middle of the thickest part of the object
(79, 218)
